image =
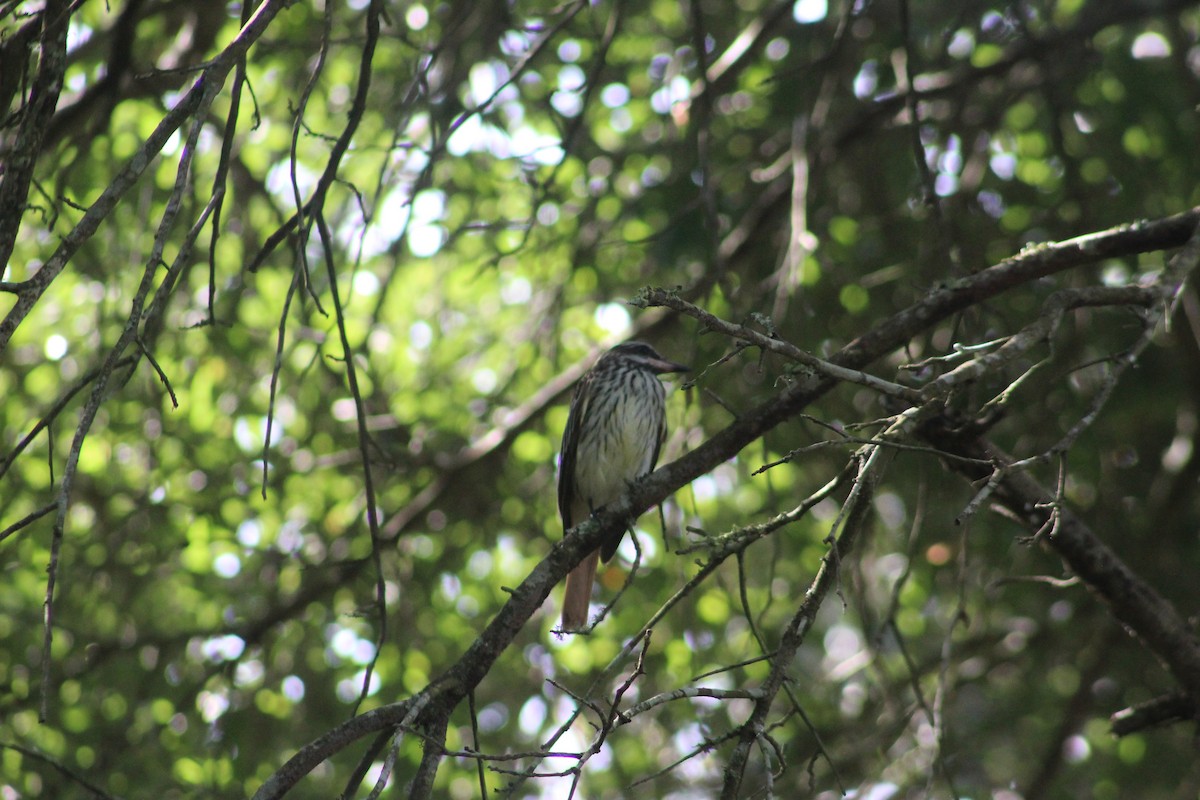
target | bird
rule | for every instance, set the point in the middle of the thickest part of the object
(615, 428)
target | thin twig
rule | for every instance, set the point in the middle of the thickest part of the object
(36, 755)
(29, 518)
(660, 297)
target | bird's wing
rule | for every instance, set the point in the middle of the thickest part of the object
(658, 442)
(570, 444)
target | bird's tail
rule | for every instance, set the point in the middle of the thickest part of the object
(579, 593)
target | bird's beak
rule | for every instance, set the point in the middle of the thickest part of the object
(662, 366)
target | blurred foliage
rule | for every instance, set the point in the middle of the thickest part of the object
(518, 171)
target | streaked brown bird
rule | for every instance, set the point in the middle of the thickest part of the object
(615, 428)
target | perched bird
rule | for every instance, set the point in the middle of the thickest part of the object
(615, 428)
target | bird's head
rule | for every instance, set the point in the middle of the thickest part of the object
(647, 357)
